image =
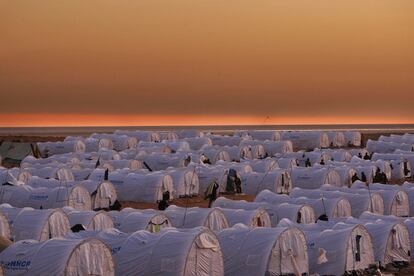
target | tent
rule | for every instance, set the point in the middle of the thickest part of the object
(334, 251)
(145, 187)
(401, 164)
(189, 133)
(263, 165)
(58, 257)
(287, 163)
(277, 180)
(359, 202)
(353, 138)
(339, 155)
(212, 218)
(271, 147)
(175, 252)
(261, 135)
(251, 218)
(119, 142)
(185, 181)
(306, 140)
(215, 153)
(336, 138)
(46, 198)
(196, 143)
(387, 147)
(315, 157)
(27, 223)
(159, 162)
(225, 140)
(129, 220)
(396, 201)
(264, 251)
(391, 239)
(168, 135)
(91, 220)
(141, 135)
(313, 178)
(271, 210)
(15, 152)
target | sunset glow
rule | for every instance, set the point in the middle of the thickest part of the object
(107, 62)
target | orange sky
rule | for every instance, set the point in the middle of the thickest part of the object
(101, 62)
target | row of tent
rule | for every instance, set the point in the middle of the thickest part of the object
(126, 140)
(326, 248)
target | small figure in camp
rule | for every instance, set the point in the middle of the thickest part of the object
(355, 178)
(211, 192)
(203, 159)
(367, 157)
(363, 177)
(231, 178)
(322, 162)
(164, 203)
(308, 163)
(360, 155)
(187, 161)
(378, 176)
(384, 179)
(237, 182)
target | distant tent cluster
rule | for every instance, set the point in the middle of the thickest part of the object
(318, 204)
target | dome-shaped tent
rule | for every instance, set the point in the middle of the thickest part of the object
(306, 140)
(91, 220)
(251, 218)
(175, 252)
(336, 138)
(314, 178)
(185, 181)
(58, 257)
(27, 223)
(278, 181)
(264, 251)
(263, 165)
(46, 198)
(212, 218)
(353, 138)
(130, 220)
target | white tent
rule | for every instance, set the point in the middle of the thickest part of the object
(207, 174)
(103, 193)
(272, 135)
(263, 165)
(145, 187)
(307, 140)
(120, 142)
(344, 248)
(212, 218)
(237, 153)
(168, 135)
(5, 228)
(387, 147)
(278, 181)
(185, 181)
(141, 135)
(189, 133)
(264, 251)
(396, 201)
(271, 147)
(251, 218)
(391, 240)
(287, 163)
(336, 138)
(46, 198)
(225, 140)
(223, 202)
(122, 164)
(91, 220)
(129, 220)
(345, 172)
(401, 166)
(353, 138)
(330, 207)
(339, 155)
(382, 165)
(67, 257)
(359, 202)
(314, 178)
(196, 143)
(27, 223)
(175, 252)
(159, 162)
(215, 153)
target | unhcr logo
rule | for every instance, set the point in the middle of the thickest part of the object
(39, 197)
(16, 265)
